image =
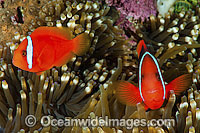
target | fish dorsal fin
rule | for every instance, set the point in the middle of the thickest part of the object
(141, 46)
(61, 32)
(127, 93)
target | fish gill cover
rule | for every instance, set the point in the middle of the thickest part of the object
(83, 87)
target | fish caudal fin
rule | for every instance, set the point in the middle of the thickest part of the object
(179, 84)
(81, 44)
(127, 93)
(141, 45)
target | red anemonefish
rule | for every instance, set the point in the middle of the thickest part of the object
(152, 90)
(47, 47)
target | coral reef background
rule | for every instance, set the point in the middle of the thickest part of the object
(83, 87)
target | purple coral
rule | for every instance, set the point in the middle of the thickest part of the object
(138, 9)
(135, 8)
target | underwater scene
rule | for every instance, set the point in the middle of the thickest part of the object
(100, 66)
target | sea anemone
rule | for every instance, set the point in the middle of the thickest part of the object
(188, 115)
(174, 40)
(68, 91)
(83, 87)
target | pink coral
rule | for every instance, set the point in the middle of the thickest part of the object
(123, 21)
(135, 8)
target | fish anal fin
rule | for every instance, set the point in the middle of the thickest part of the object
(141, 45)
(63, 60)
(179, 84)
(127, 93)
(81, 44)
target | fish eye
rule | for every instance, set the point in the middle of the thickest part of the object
(158, 76)
(24, 53)
(142, 76)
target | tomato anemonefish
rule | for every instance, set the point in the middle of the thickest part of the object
(47, 47)
(152, 90)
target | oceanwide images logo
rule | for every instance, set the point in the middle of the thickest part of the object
(46, 121)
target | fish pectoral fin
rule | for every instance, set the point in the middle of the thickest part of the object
(179, 84)
(127, 93)
(46, 58)
(63, 60)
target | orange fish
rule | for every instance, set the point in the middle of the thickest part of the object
(47, 47)
(152, 90)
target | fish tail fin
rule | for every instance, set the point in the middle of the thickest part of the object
(81, 44)
(141, 45)
(127, 93)
(179, 84)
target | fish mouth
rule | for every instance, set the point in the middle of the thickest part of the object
(16, 63)
(154, 100)
(152, 91)
(13, 61)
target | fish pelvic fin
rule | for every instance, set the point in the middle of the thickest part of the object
(141, 45)
(81, 44)
(39, 73)
(145, 106)
(127, 93)
(179, 84)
